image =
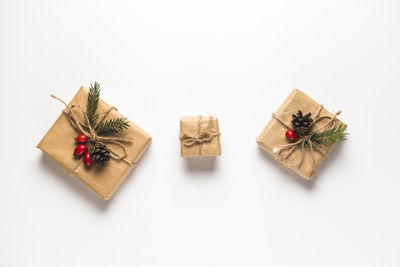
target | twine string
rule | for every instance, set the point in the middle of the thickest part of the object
(92, 135)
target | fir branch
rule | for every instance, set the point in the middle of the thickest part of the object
(92, 103)
(329, 137)
(116, 125)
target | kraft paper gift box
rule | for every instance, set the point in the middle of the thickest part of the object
(200, 136)
(59, 144)
(273, 135)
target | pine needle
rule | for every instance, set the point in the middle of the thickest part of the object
(117, 125)
(331, 136)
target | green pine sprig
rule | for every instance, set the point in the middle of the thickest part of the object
(116, 125)
(112, 126)
(99, 151)
(92, 103)
(331, 136)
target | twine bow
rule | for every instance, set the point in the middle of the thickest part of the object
(91, 133)
(304, 140)
(202, 136)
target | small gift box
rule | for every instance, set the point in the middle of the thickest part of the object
(301, 133)
(200, 136)
(121, 150)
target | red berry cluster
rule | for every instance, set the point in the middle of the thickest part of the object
(81, 149)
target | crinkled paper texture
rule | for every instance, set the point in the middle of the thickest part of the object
(273, 135)
(59, 143)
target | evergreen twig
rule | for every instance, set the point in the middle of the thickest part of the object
(116, 125)
(98, 149)
(329, 137)
(92, 103)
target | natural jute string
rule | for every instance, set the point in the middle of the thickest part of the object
(306, 139)
(202, 136)
(91, 133)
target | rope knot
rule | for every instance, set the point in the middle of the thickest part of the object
(201, 138)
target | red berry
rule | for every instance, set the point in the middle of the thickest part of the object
(81, 138)
(87, 159)
(291, 135)
(80, 150)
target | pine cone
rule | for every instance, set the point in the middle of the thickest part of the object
(100, 154)
(302, 124)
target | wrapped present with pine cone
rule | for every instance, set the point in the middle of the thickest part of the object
(94, 142)
(200, 136)
(301, 134)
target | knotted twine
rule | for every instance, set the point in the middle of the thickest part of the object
(91, 133)
(202, 136)
(304, 140)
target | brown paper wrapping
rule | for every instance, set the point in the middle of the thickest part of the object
(190, 126)
(273, 135)
(59, 144)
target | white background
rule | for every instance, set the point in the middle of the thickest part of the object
(237, 60)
